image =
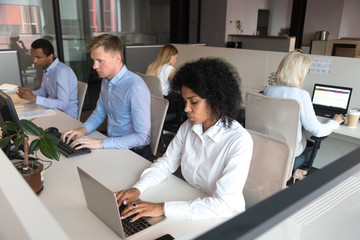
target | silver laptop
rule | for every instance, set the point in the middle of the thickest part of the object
(102, 202)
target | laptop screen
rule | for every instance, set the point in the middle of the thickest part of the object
(331, 96)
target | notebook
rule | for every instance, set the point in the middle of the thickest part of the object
(102, 202)
(330, 100)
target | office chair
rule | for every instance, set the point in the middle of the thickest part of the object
(159, 108)
(267, 173)
(173, 120)
(153, 83)
(82, 87)
(279, 118)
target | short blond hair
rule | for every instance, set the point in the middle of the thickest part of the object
(292, 70)
(111, 43)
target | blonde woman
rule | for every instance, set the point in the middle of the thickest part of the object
(163, 67)
(289, 81)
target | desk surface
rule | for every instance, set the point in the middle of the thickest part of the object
(344, 132)
(117, 169)
(341, 141)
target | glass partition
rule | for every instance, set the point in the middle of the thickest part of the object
(136, 22)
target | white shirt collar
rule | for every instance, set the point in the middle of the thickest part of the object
(214, 132)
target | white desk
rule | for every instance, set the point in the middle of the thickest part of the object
(117, 169)
(341, 141)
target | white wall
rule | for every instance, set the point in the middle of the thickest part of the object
(339, 17)
(247, 12)
(280, 16)
(349, 26)
(322, 15)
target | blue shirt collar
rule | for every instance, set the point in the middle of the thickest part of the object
(52, 65)
(117, 77)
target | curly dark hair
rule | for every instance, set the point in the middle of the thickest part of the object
(44, 44)
(215, 80)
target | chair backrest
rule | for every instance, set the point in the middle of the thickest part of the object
(267, 174)
(82, 87)
(276, 117)
(159, 108)
(153, 83)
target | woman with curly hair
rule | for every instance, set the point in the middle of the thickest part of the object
(213, 149)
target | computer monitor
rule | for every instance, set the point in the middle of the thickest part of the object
(10, 67)
(334, 204)
(7, 113)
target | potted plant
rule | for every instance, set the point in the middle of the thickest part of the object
(239, 26)
(32, 171)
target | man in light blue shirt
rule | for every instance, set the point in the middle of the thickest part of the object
(124, 99)
(59, 83)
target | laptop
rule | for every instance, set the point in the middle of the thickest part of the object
(329, 100)
(102, 202)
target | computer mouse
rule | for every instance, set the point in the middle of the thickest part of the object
(51, 130)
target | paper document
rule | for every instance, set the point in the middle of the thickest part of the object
(18, 102)
(7, 87)
(36, 114)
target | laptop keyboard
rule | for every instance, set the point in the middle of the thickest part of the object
(326, 113)
(131, 228)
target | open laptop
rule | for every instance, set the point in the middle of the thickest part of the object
(330, 100)
(102, 202)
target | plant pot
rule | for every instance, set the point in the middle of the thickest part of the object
(33, 176)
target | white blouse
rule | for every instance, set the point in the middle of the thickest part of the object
(216, 162)
(308, 119)
(164, 73)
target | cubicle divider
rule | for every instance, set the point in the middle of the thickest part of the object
(23, 215)
(138, 57)
(255, 66)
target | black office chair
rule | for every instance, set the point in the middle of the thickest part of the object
(174, 117)
(315, 147)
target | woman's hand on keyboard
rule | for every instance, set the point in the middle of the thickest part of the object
(73, 134)
(338, 118)
(87, 142)
(143, 209)
(127, 196)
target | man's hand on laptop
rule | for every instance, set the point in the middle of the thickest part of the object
(339, 118)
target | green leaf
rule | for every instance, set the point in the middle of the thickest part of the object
(18, 140)
(49, 148)
(4, 141)
(55, 139)
(31, 128)
(10, 126)
(34, 145)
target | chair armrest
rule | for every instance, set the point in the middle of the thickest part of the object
(318, 139)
